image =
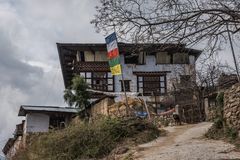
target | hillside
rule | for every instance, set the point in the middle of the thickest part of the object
(82, 140)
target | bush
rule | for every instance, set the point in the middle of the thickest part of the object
(221, 131)
(220, 99)
(89, 140)
(216, 131)
(231, 133)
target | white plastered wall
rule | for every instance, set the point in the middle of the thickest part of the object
(37, 122)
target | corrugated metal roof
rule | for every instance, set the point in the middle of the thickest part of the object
(24, 109)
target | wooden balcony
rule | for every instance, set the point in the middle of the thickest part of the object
(91, 67)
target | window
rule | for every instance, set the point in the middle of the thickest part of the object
(130, 58)
(142, 58)
(89, 56)
(99, 81)
(92, 56)
(127, 85)
(135, 58)
(57, 121)
(80, 56)
(102, 81)
(149, 85)
(101, 56)
(163, 58)
(180, 58)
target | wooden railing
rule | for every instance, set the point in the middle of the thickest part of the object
(91, 67)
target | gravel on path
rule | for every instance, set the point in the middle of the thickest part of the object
(186, 142)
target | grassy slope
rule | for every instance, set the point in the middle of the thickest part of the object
(88, 140)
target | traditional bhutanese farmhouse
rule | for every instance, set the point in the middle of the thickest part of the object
(148, 69)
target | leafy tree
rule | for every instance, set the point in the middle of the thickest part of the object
(77, 94)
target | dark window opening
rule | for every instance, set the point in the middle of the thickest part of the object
(135, 58)
(130, 58)
(57, 121)
(127, 85)
(80, 56)
(152, 85)
(99, 81)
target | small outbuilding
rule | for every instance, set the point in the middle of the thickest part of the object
(43, 118)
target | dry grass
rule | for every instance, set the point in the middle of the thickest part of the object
(88, 140)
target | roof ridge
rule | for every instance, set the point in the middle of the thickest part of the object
(44, 106)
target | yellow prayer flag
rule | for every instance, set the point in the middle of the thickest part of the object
(116, 70)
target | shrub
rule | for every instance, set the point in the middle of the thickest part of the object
(89, 140)
(217, 129)
(231, 133)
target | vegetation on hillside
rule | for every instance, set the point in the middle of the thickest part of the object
(219, 129)
(89, 140)
(77, 94)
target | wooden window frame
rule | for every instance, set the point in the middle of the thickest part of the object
(136, 57)
(160, 87)
(170, 55)
(172, 59)
(105, 78)
(127, 85)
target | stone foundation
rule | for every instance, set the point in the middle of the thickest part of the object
(232, 106)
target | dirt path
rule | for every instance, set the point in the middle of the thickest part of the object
(186, 143)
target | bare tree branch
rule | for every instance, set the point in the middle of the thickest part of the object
(170, 21)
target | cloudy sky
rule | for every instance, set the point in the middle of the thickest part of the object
(29, 63)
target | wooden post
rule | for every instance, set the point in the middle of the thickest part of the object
(123, 83)
(233, 53)
(124, 89)
(145, 104)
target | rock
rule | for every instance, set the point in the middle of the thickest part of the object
(237, 113)
(235, 123)
(228, 114)
(235, 103)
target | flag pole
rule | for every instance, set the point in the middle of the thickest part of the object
(123, 83)
(233, 53)
(125, 93)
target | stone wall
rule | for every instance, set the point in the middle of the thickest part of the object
(108, 107)
(101, 107)
(210, 107)
(232, 106)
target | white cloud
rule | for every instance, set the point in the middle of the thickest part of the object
(29, 65)
(11, 98)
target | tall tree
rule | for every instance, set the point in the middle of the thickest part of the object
(77, 94)
(178, 21)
